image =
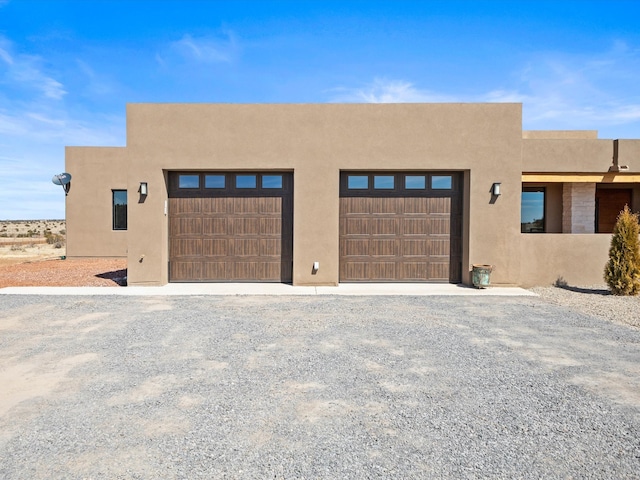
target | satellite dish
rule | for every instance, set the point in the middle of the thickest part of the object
(63, 179)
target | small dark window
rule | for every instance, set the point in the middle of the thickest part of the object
(119, 202)
(245, 181)
(415, 182)
(441, 182)
(383, 182)
(271, 181)
(357, 182)
(189, 181)
(532, 210)
(214, 181)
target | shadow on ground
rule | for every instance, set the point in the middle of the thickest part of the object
(562, 283)
(117, 276)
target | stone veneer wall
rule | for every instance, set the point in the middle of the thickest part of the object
(578, 207)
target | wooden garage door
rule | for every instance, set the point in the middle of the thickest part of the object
(230, 227)
(400, 227)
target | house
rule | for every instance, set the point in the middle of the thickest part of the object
(317, 194)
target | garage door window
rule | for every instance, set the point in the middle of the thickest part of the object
(271, 181)
(357, 182)
(415, 182)
(246, 181)
(214, 181)
(189, 181)
(383, 182)
(441, 182)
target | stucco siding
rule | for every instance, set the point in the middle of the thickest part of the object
(576, 259)
(96, 171)
(566, 155)
(316, 142)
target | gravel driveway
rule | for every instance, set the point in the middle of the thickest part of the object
(315, 387)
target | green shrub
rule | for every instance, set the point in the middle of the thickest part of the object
(622, 272)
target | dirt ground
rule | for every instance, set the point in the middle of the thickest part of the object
(40, 265)
(27, 259)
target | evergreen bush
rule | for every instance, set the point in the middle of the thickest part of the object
(622, 272)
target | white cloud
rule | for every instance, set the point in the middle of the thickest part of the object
(558, 91)
(388, 91)
(204, 49)
(25, 72)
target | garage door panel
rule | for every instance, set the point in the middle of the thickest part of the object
(215, 247)
(357, 270)
(181, 270)
(439, 271)
(186, 247)
(270, 205)
(249, 226)
(246, 206)
(354, 247)
(415, 248)
(219, 270)
(185, 226)
(185, 206)
(384, 226)
(385, 271)
(246, 269)
(270, 226)
(387, 206)
(439, 247)
(418, 205)
(439, 226)
(270, 247)
(355, 206)
(415, 226)
(245, 247)
(384, 247)
(357, 226)
(221, 205)
(271, 271)
(415, 271)
(440, 205)
(216, 226)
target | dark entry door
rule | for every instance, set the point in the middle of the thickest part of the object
(609, 204)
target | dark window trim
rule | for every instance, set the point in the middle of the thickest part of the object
(544, 207)
(113, 210)
(230, 189)
(400, 189)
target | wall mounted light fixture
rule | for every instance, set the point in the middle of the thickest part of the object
(143, 188)
(495, 189)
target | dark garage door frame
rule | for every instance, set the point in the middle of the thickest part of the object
(224, 228)
(394, 228)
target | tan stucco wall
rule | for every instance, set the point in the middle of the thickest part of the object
(316, 142)
(576, 259)
(568, 155)
(95, 171)
(629, 154)
(559, 134)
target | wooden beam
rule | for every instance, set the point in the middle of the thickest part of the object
(580, 178)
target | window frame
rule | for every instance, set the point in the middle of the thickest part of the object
(533, 189)
(114, 220)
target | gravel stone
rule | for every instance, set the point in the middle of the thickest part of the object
(316, 387)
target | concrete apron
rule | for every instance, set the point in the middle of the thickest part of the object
(362, 289)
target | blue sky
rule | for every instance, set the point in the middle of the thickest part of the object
(68, 68)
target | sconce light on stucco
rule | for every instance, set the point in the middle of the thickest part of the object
(495, 189)
(143, 188)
